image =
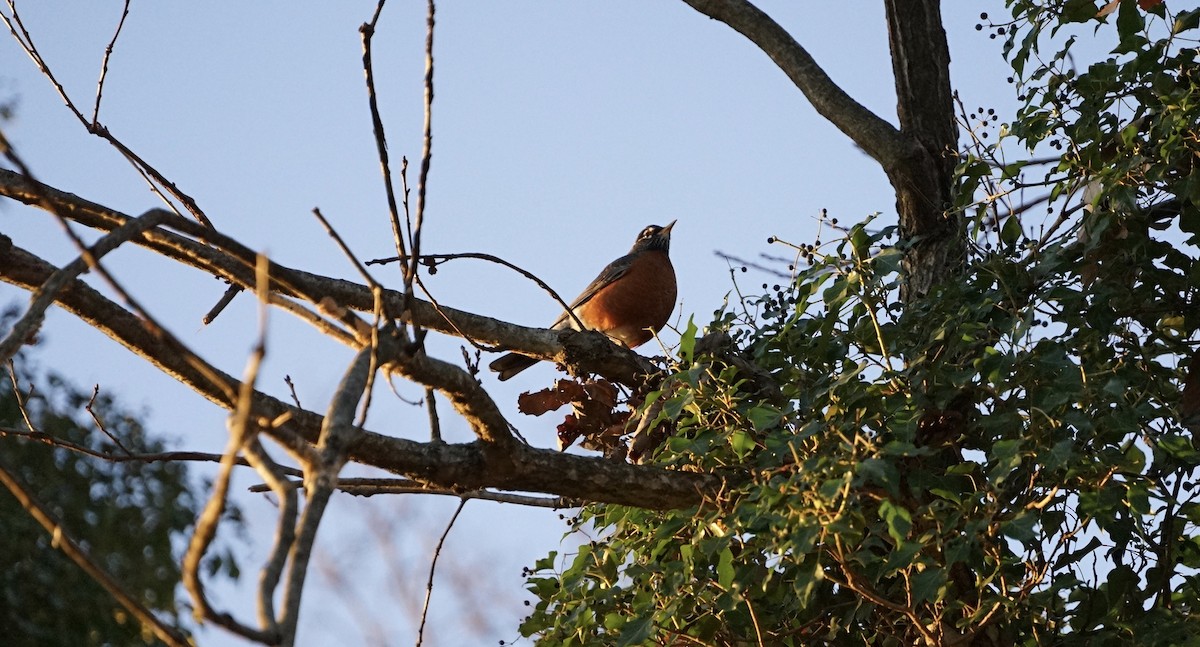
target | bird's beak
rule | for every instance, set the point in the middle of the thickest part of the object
(667, 230)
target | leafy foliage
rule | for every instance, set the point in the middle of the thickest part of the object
(128, 515)
(1001, 462)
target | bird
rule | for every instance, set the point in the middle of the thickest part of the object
(629, 301)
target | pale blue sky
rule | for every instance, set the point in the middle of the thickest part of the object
(560, 130)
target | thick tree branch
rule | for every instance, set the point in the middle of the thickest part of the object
(212, 252)
(459, 467)
(881, 140)
(29, 322)
(338, 433)
(925, 106)
(921, 64)
(919, 158)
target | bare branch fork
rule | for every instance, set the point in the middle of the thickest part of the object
(918, 156)
(463, 467)
(157, 181)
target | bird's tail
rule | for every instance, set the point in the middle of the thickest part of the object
(511, 364)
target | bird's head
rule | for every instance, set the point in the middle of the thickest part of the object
(654, 237)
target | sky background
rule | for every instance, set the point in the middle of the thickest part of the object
(560, 131)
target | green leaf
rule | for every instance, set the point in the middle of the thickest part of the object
(636, 631)
(898, 520)
(879, 472)
(764, 417)
(1078, 11)
(1005, 457)
(742, 443)
(1129, 22)
(927, 585)
(1011, 232)
(687, 341)
(725, 569)
(1021, 528)
(1186, 20)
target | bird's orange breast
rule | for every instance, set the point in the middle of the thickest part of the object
(639, 301)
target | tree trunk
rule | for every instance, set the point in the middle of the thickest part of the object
(923, 179)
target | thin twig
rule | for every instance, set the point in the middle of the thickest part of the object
(226, 298)
(90, 408)
(287, 379)
(157, 181)
(435, 425)
(156, 457)
(458, 331)
(341, 243)
(285, 534)
(426, 154)
(433, 567)
(12, 376)
(437, 259)
(104, 63)
(368, 31)
(242, 431)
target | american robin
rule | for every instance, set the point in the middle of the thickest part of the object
(630, 301)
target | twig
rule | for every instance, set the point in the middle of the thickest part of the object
(728, 258)
(458, 331)
(90, 408)
(157, 457)
(285, 534)
(366, 487)
(226, 298)
(104, 63)
(242, 431)
(338, 433)
(426, 154)
(437, 259)
(287, 379)
(12, 375)
(157, 181)
(71, 548)
(433, 567)
(435, 425)
(368, 31)
(341, 243)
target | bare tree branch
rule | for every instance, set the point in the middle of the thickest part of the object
(274, 476)
(338, 433)
(44, 296)
(242, 431)
(366, 487)
(104, 63)
(426, 154)
(215, 253)
(881, 140)
(368, 32)
(155, 179)
(919, 157)
(473, 466)
(437, 552)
